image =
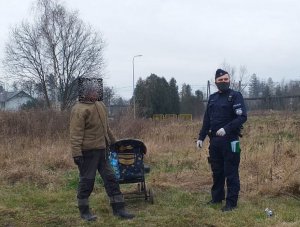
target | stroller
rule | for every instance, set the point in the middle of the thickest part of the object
(127, 159)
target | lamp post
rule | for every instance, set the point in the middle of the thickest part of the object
(133, 82)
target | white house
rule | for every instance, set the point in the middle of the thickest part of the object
(14, 100)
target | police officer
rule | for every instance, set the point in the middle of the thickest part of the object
(223, 119)
(90, 135)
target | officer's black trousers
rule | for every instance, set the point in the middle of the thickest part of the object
(225, 166)
(96, 160)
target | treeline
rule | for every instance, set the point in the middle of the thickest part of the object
(155, 95)
(272, 95)
(262, 88)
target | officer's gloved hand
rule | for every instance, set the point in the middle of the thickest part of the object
(221, 132)
(78, 160)
(199, 144)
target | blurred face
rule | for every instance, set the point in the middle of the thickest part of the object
(223, 83)
(92, 96)
(90, 90)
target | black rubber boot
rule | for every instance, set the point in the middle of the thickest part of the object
(86, 214)
(119, 210)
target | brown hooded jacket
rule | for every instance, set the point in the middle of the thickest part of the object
(89, 127)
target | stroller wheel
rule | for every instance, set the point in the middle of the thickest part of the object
(151, 196)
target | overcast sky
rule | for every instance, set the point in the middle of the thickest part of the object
(185, 39)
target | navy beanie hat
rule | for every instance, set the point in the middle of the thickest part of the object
(220, 72)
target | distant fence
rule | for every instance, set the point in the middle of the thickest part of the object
(291, 103)
(183, 117)
(278, 103)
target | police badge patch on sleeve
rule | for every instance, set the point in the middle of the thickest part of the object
(239, 111)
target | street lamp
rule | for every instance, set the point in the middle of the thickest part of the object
(133, 82)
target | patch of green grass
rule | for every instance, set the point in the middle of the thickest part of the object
(173, 163)
(28, 205)
(71, 179)
(164, 165)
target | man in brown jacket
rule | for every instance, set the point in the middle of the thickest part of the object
(90, 135)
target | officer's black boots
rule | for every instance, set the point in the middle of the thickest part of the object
(119, 210)
(86, 214)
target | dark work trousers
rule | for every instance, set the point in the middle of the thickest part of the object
(225, 166)
(96, 160)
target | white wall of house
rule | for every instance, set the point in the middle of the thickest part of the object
(16, 102)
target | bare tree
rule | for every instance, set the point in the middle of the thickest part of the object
(28, 86)
(56, 47)
(238, 82)
(230, 69)
(243, 79)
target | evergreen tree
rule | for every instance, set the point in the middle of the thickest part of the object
(254, 87)
(186, 102)
(191, 104)
(156, 96)
(174, 97)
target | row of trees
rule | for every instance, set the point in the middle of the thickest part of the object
(155, 95)
(271, 95)
(268, 88)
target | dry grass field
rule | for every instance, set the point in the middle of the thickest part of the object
(38, 179)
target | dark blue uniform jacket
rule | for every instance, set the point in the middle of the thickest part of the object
(224, 110)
